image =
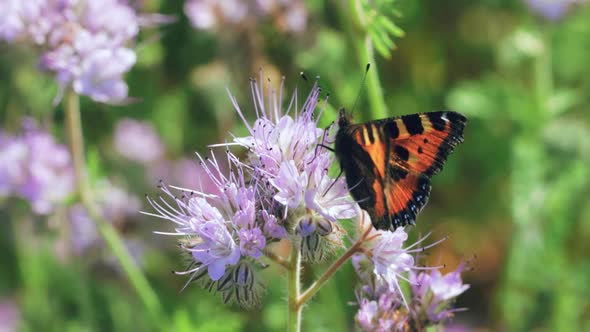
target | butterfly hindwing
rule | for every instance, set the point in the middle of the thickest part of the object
(388, 163)
(363, 178)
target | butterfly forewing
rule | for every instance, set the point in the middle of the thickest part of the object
(388, 163)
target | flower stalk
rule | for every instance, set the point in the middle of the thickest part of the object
(106, 230)
(318, 284)
(366, 54)
(294, 288)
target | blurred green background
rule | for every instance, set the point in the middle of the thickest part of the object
(513, 198)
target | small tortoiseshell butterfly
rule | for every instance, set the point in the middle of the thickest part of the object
(388, 163)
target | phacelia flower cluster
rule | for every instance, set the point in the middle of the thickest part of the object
(287, 16)
(86, 44)
(281, 190)
(383, 305)
(35, 167)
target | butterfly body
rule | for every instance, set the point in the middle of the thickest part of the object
(388, 163)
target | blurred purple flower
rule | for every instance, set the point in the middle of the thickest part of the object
(50, 178)
(116, 206)
(35, 167)
(102, 72)
(86, 44)
(138, 141)
(288, 16)
(13, 156)
(552, 9)
(10, 315)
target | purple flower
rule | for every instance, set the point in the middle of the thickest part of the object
(367, 314)
(115, 204)
(221, 230)
(552, 9)
(85, 44)
(252, 242)
(390, 260)
(13, 155)
(384, 264)
(287, 16)
(11, 24)
(434, 293)
(271, 226)
(137, 141)
(35, 167)
(207, 14)
(290, 184)
(283, 151)
(10, 315)
(380, 310)
(50, 179)
(448, 286)
(102, 72)
(216, 248)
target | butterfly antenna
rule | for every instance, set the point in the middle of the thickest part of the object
(358, 96)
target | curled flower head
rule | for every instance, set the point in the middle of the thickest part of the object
(224, 231)
(284, 156)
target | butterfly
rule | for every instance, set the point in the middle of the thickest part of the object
(388, 163)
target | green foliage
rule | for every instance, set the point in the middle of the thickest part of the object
(514, 195)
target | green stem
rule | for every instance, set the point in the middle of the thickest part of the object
(277, 259)
(106, 230)
(294, 286)
(318, 284)
(366, 54)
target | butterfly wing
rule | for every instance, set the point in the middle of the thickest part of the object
(388, 163)
(360, 162)
(421, 143)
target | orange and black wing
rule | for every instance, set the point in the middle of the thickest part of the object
(364, 165)
(388, 163)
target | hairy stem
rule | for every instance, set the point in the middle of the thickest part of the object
(277, 259)
(294, 286)
(318, 284)
(106, 230)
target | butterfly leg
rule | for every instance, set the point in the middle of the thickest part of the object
(333, 182)
(321, 145)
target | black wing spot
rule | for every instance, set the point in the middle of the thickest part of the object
(413, 124)
(402, 152)
(391, 129)
(420, 150)
(437, 120)
(397, 173)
